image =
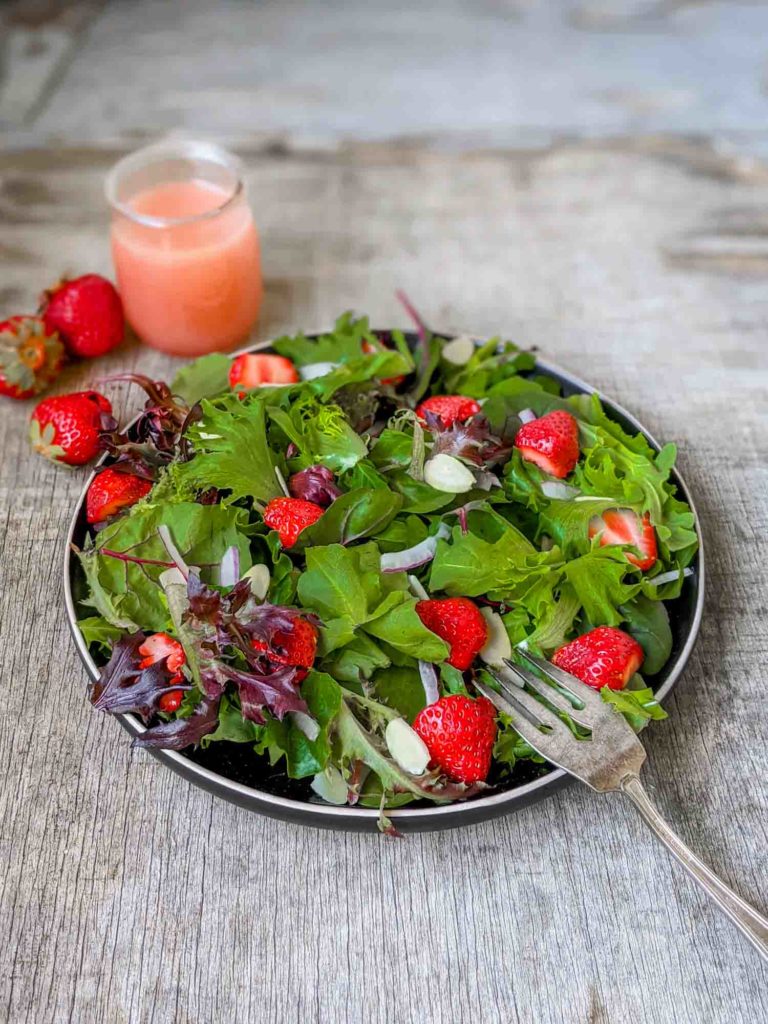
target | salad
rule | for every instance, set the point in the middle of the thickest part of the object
(316, 551)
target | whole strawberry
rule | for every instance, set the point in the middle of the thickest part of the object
(450, 408)
(289, 516)
(459, 622)
(551, 442)
(459, 733)
(66, 428)
(603, 657)
(88, 314)
(110, 492)
(30, 356)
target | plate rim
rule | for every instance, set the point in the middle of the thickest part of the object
(435, 816)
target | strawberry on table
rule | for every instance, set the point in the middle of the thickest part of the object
(551, 442)
(88, 314)
(624, 526)
(450, 408)
(160, 646)
(30, 356)
(253, 370)
(289, 516)
(111, 492)
(459, 733)
(460, 623)
(294, 646)
(66, 428)
(605, 656)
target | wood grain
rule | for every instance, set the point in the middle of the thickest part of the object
(129, 896)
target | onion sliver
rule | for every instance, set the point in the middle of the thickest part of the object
(428, 675)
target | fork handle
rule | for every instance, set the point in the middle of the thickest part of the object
(749, 922)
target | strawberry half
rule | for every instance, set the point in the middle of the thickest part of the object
(254, 370)
(459, 733)
(459, 622)
(623, 526)
(551, 442)
(88, 314)
(66, 428)
(160, 646)
(30, 356)
(296, 646)
(111, 492)
(603, 657)
(450, 408)
(289, 516)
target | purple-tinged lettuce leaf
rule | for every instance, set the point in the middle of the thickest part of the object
(315, 483)
(278, 691)
(180, 733)
(123, 687)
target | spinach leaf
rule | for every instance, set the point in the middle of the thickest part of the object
(354, 515)
(648, 622)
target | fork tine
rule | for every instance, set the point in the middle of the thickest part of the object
(550, 693)
(586, 695)
(527, 705)
(522, 725)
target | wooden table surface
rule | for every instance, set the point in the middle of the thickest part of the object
(638, 259)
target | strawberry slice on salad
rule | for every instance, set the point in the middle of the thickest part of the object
(459, 622)
(255, 369)
(459, 733)
(296, 646)
(605, 656)
(159, 647)
(624, 526)
(289, 516)
(450, 408)
(551, 442)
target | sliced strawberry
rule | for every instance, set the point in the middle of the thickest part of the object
(450, 408)
(159, 647)
(551, 442)
(289, 516)
(603, 657)
(297, 646)
(459, 622)
(256, 369)
(623, 526)
(459, 733)
(111, 492)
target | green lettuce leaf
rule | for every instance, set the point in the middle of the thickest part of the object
(205, 377)
(351, 517)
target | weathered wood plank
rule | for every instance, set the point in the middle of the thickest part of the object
(127, 895)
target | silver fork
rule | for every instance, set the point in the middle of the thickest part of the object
(609, 760)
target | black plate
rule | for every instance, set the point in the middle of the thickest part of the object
(234, 772)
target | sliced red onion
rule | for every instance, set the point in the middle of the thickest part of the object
(419, 554)
(429, 681)
(304, 723)
(417, 590)
(557, 489)
(173, 552)
(526, 415)
(229, 569)
(669, 577)
(281, 481)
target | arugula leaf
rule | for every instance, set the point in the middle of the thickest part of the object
(205, 377)
(97, 632)
(637, 706)
(401, 689)
(232, 453)
(285, 739)
(598, 581)
(351, 517)
(648, 622)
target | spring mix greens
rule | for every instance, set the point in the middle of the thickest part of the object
(408, 508)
